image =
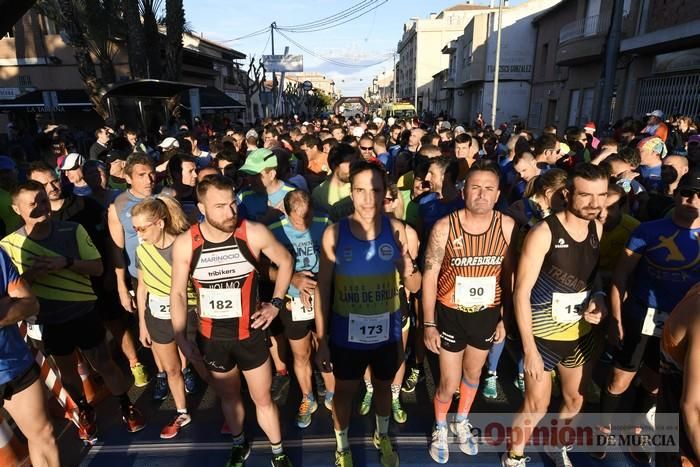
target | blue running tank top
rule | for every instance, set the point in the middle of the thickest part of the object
(366, 304)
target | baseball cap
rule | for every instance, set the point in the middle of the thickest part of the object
(691, 181)
(653, 143)
(459, 129)
(72, 161)
(258, 160)
(252, 133)
(357, 132)
(564, 148)
(446, 125)
(6, 163)
(378, 120)
(390, 121)
(656, 113)
(169, 143)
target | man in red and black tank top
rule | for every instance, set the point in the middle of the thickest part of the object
(468, 268)
(220, 256)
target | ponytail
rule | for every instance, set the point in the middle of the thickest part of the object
(166, 208)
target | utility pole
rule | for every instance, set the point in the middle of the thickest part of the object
(396, 74)
(612, 49)
(494, 107)
(273, 25)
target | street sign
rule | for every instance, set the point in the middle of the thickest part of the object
(307, 85)
(280, 63)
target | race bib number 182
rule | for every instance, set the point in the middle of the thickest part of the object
(220, 303)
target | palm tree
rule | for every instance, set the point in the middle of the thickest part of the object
(149, 10)
(175, 27)
(136, 43)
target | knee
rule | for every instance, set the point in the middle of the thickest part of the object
(535, 405)
(42, 435)
(172, 371)
(573, 401)
(302, 357)
(617, 385)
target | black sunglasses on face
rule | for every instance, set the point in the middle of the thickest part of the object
(689, 192)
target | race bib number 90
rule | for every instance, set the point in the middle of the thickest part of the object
(220, 303)
(368, 329)
(159, 306)
(475, 291)
(568, 307)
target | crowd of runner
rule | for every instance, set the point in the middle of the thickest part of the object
(346, 252)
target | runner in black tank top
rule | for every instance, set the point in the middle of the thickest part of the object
(219, 255)
(557, 298)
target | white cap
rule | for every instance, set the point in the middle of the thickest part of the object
(252, 133)
(446, 125)
(169, 143)
(378, 120)
(72, 161)
(459, 130)
(657, 114)
(390, 121)
(357, 132)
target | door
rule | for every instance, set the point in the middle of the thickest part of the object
(551, 112)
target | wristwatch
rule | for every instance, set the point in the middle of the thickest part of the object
(277, 303)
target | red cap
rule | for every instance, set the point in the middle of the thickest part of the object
(589, 126)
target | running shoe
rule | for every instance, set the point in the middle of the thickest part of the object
(87, 424)
(190, 380)
(399, 414)
(281, 460)
(519, 383)
(559, 455)
(141, 377)
(490, 390)
(387, 455)
(239, 454)
(366, 403)
(343, 459)
(133, 419)
(328, 400)
(439, 449)
(306, 409)
(414, 377)
(280, 385)
(507, 461)
(160, 389)
(173, 428)
(463, 431)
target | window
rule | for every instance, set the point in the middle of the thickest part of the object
(24, 81)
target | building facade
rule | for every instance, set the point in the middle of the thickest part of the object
(658, 64)
(420, 48)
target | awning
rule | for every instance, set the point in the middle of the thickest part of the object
(153, 88)
(47, 101)
(212, 99)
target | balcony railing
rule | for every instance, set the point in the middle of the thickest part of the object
(584, 27)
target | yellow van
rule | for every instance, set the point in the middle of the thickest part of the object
(402, 110)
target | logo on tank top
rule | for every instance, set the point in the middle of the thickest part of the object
(458, 243)
(561, 243)
(594, 241)
(386, 252)
(347, 254)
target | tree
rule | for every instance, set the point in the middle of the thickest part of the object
(136, 44)
(67, 16)
(250, 81)
(175, 28)
(149, 10)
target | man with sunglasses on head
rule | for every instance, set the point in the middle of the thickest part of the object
(547, 151)
(656, 269)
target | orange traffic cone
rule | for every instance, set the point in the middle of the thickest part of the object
(13, 452)
(94, 392)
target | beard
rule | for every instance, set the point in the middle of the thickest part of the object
(586, 214)
(227, 226)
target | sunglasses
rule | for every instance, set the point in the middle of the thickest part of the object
(366, 148)
(389, 200)
(143, 228)
(689, 192)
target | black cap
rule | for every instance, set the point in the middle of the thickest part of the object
(691, 180)
(116, 155)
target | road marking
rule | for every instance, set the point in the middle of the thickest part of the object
(158, 447)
